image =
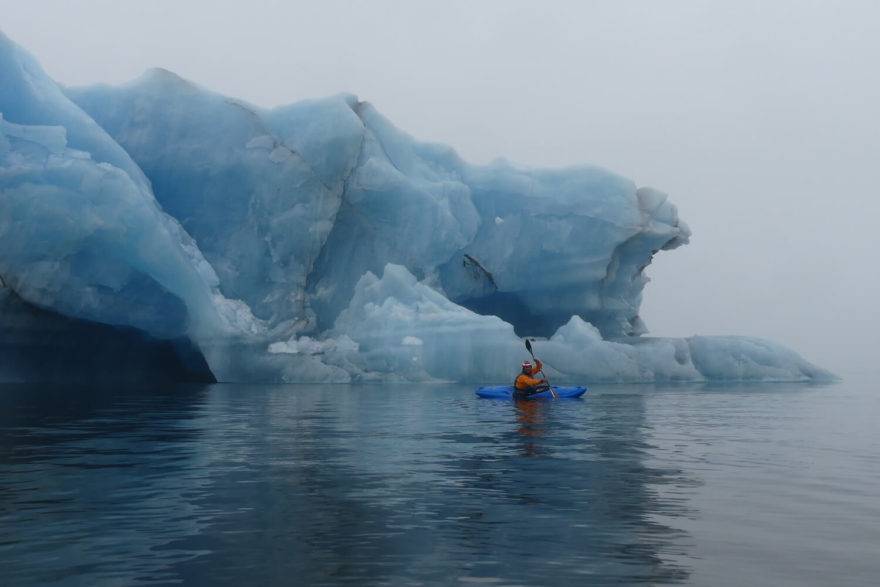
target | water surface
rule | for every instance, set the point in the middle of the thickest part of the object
(326, 485)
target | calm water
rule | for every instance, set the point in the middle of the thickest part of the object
(311, 485)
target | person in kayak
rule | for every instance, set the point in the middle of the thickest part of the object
(526, 384)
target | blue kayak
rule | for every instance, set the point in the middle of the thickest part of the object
(506, 392)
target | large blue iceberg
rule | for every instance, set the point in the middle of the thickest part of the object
(315, 242)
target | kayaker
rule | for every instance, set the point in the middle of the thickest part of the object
(525, 383)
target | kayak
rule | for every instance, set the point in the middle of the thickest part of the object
(506, 392)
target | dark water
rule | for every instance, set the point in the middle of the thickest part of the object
(325, 485)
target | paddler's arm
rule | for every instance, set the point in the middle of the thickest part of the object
(538, 366)
(524, 381)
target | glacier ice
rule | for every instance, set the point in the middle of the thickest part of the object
(317, 242)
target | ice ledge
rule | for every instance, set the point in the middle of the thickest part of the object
(373, 340)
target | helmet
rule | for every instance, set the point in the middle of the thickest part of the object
(527, 365)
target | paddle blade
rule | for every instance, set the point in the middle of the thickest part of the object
(529, 346)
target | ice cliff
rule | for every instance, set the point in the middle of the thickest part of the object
(315, 242)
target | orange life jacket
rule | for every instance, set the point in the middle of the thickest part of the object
(525, 380)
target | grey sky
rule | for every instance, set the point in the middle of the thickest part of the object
(760, 119)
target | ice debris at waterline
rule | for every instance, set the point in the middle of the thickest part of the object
(315, 242)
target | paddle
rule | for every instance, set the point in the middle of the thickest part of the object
(529, 348)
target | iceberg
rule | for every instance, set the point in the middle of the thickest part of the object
(318, 242)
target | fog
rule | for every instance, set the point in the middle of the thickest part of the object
(760, 120)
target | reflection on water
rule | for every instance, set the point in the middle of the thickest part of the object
(531, 425)
(330, 484)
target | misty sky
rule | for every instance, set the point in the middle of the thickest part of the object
(761, 120)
